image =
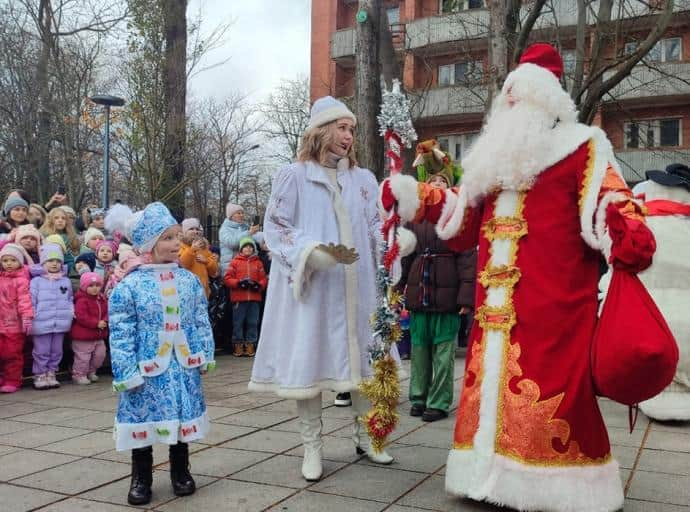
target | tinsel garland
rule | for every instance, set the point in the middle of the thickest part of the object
(383, 389)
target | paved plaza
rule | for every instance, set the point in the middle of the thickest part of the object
(56, 454)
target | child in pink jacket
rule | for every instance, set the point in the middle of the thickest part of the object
(16, 314)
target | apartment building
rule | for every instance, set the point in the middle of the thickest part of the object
(442, 49)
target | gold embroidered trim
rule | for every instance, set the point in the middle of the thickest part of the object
(587, 177)
(503, 275)
(499, 318)
(505, 228)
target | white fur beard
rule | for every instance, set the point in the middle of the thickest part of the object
(511, 150)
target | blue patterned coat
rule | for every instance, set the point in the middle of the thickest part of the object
(160, 339)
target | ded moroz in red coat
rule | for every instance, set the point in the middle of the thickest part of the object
(529, 432)
(88, 311)
(245, 267)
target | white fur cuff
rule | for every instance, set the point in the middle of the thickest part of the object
(405, 190)
(320, 260)
(407, 242)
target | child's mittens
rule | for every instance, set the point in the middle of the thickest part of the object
(26, 326)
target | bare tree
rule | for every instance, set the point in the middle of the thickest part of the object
(286, 117)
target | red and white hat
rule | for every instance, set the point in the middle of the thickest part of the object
(544, 55)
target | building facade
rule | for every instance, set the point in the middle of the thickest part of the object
(442, 49)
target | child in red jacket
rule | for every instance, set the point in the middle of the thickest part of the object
(16, 313)
(246, 279)
(89, 329)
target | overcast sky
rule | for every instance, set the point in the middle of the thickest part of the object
(268, 41)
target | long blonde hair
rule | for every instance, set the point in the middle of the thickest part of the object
(315, 144)
(48, 228)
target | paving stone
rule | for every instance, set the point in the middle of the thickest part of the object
(39, 435)
(369, 482)
(334, 448)
(282, 470)
(256, 418)
(24, 462)
(671, 441)
(246, 401)
(10, 426)
(329, 425)
(76, 477)
(660, 487)
(116, 492)
(93, 421)
(623, 437)
(78, 505)
(221, 433)
(230, 495)
(20, 499)
(665, 462)
(215, 412)
(681, 427)
(266, 441)
(221, 462)
(625, 455)
(308, 501)
(16, 409)
(84, 446)
(650, 506)
(431, 494)
(411, 458)
(431, 437)
(52, 416)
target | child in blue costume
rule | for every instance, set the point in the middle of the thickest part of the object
(160, 342)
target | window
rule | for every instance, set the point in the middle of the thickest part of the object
(569, 61)
(393, 14)
(448, 6)
(460, 73)
(653, 133)
(665, 50)
(457, 145)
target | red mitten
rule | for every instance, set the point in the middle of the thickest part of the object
(633, 243)
(26, 326)
(387, 198)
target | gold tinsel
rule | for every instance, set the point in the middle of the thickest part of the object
(383, 390)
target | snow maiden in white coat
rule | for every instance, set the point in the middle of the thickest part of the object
(160, 341)
(316, 328)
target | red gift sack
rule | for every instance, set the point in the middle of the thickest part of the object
(634, 355)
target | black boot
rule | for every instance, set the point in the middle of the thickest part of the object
(182, 481)
(142, 476)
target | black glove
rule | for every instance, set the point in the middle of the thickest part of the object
(256, 286)
(245, 284)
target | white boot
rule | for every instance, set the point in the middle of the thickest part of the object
(360, 406)
(310, 427)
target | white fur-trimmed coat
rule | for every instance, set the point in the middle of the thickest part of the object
(316, 329)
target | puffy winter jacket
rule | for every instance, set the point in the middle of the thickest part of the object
(52, 302)
(229, 237)
(245, 268)
(15, 301)
(88, 311)
(201, 270)
(438, 280)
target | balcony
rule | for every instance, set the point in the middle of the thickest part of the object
(447, 28)
(634, 163)
(343, 43)
(447, 101)
(658, 79)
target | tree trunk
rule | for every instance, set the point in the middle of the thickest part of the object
(41, 157)
(368, 89)
(498, 44)
(175, 76)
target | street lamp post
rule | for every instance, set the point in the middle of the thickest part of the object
(107, 101)
(237, 172)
